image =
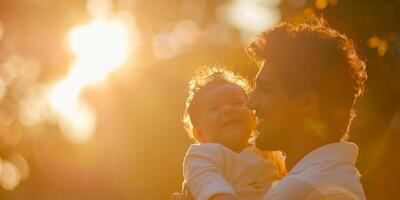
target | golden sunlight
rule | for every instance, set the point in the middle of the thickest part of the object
(100, 47)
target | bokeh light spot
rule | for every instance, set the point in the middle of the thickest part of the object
(175, 39)
(373, 42)
(33, 108)
(321, 4)
(22, 165)
(251, 17)
(308, 12)
(10, 175)
(382, 48)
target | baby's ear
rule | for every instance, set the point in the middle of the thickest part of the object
(198, 135)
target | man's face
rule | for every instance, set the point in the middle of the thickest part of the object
(223, 116)
(275, 111)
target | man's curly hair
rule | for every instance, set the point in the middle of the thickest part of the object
(204, 79)
(313, 56)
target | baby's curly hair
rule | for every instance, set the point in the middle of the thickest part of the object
(206, 78)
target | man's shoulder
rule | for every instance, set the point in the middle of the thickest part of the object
(343, 175)
(316, 184)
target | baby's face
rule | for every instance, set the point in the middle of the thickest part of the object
(223, 117)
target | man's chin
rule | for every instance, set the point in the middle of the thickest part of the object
(266, 143)
(262, 143)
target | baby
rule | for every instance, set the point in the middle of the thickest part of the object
(223, 164)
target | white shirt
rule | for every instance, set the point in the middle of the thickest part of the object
(327, 172)
(211, 169)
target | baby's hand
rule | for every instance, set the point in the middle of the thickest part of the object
(177, 196)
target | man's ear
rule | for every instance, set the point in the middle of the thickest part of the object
(198, 135)
(308, 102)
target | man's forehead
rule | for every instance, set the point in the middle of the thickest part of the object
(264, 74)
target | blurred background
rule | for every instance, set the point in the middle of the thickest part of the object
(92, 91)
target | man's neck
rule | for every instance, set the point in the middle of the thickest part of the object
(294, 157)
(294, 153)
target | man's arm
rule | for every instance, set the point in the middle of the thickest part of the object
(291, 189)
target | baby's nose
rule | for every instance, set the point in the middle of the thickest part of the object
(227, 110)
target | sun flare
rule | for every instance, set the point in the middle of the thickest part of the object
(100, 47)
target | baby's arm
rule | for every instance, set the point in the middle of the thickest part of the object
(203, 167)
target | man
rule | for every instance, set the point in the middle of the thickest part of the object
(304, 97)
(306, 89)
